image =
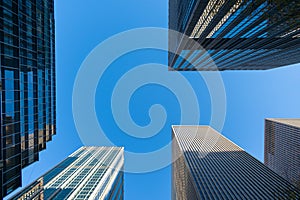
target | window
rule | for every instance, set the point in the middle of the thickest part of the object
(10, 140)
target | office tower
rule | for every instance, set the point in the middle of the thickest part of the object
(282, 148)
(27, 85)
(209, 166)
(88, 173)
(234, 34)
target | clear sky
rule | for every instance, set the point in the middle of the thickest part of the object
(82, 25)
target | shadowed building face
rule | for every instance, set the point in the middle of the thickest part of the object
(27, 86)
(234, 34)
(212, 167)
(282, 148)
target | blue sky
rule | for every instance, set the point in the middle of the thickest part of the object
(82, 25)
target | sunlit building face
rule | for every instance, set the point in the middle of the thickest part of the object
(209, 166)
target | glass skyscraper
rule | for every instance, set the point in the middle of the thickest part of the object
(27, 85)
(282, 148)
(209, 166)
(234, 34)
(88, 173)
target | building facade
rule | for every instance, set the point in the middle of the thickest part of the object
(209, 166)
(88, 173)
(282, 148)
(34, 191)
(234, 34)
(27, 85)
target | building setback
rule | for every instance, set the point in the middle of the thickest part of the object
(209, 166)
(27, 86)
(88, 173)
(234, 34)
(282, 148)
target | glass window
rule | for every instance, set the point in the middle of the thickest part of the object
(9, 94)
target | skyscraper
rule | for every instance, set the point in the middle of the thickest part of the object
(209, 166)
(27, 86)
(88, 173)
(282, 148)
(234, 34)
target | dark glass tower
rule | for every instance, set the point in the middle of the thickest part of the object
(88, 173)
(209, 166)
(234, 34)
(282, 148)
(27, 85)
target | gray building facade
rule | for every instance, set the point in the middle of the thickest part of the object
(209, 166)
(282, 148)
(234, 34)
(88, 173)
(27, 86)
